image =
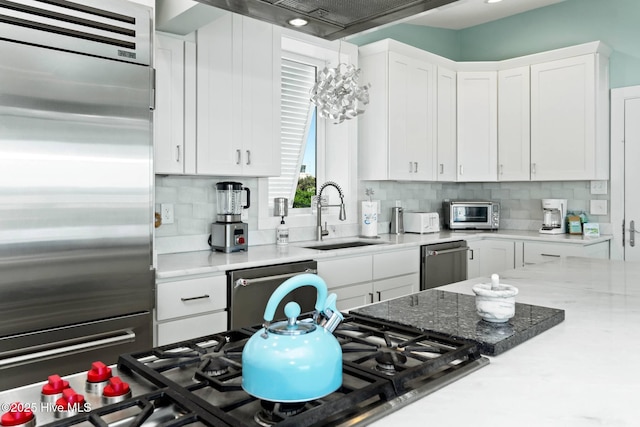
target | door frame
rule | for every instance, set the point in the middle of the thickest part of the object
(618, 98)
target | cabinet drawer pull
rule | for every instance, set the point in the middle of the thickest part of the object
(410, 167)
(441, 168)
(371, 296)
(553, 255)
(379, 295)
(533, 168)
(177, 153)
(205, 296)
(461, 170)
(248, 157)
(239, 157)
(416, 167)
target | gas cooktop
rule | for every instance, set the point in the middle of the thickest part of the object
(198, 382)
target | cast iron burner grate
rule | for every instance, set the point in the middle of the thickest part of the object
(381, 362)
(164, 407)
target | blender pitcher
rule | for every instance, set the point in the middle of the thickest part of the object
(229, 197)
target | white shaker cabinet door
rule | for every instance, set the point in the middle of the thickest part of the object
(477, 125)
(174, 119)
(411, 118)
(563, 119)
(513, 124)
(446, 139)
(238, 98)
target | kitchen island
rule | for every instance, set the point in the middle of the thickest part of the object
(584, 371)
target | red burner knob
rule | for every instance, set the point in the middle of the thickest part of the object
(55, 385)
(70, 400)
(99, 373)
(116, 387)
(19, 415)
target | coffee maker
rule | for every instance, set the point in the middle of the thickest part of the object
(554, 212)
(229, 233)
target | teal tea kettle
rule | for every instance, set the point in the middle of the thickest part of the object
(294, 360)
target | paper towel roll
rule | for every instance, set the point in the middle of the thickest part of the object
(369, 219)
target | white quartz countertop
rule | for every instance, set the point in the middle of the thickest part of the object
(583, 372)
(172, 266)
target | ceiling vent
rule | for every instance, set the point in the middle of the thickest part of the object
(329, 19)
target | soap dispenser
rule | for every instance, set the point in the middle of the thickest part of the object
(280, 208)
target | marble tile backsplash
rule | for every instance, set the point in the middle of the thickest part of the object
(520, 202)
(194, 200)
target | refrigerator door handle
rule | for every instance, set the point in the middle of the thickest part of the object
(123, 337)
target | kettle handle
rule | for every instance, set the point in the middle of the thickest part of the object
(294, 283)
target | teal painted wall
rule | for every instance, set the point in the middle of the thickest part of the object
(614, 22)
(571, 22)
(440, 41)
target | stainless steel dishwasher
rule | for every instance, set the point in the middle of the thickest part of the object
(249, 290)
(443, 263)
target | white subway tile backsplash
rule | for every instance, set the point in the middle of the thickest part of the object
(521, 209)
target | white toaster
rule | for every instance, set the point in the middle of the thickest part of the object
(421, 222)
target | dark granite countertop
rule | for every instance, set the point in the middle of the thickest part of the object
(454, 315)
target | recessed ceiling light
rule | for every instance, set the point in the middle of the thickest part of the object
(298, 22)
(492, 1)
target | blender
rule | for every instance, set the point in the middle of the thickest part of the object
(229, 233)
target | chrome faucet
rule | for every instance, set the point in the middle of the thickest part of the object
(324, 232)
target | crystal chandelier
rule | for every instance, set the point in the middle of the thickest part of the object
(337, 95)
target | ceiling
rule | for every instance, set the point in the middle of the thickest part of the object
(467, 13)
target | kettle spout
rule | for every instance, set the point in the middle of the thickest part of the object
(330, 317)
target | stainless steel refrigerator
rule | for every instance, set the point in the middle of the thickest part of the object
(76, 185)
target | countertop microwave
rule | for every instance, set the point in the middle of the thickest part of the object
(471, 215)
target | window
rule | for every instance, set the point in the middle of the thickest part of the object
(297, 181)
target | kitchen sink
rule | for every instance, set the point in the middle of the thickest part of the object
(343, 245)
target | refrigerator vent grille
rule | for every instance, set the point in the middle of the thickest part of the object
(112, 29)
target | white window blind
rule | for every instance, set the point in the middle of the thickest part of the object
(296, 112)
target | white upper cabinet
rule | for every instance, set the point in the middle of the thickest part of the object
(174, 114)
(513, 124)
(477, 125)
(569, 114)
(539, 117)
(446, 124)
(238, 102)
(397, 131)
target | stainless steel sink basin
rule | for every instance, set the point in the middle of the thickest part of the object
(342, 245)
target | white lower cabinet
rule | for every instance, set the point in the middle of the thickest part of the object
(190, 308)
(364, 279)
(537, 252)
(490, 256)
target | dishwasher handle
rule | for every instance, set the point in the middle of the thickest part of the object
(447, 251)
(246, 282)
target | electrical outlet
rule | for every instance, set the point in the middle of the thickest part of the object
(598, 207)
(166, 211)
(598, 187)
